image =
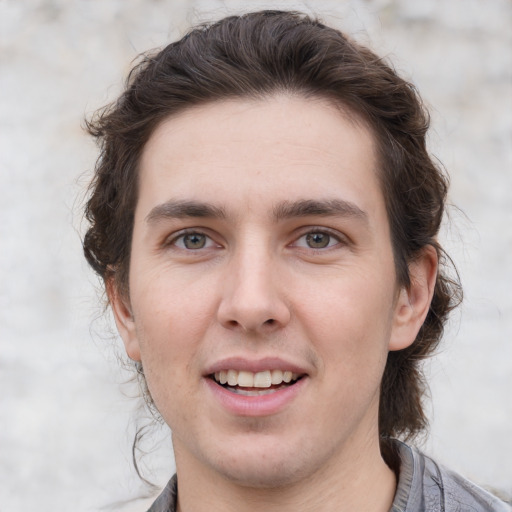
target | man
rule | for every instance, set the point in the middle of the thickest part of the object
(264, 216)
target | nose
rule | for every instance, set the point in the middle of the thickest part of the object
(252, 296)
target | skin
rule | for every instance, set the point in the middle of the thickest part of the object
(257, 289)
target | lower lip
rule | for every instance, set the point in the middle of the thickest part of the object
(260, 405)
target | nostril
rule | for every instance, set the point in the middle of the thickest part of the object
(270, 321)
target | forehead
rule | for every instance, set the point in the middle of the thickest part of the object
(248, 152)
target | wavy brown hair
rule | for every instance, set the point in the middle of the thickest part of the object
(257, 55)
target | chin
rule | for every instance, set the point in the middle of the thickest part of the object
(264, 475)
(273, 467)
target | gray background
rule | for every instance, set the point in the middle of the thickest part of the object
(65, 421)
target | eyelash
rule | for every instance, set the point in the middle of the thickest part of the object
(337, 237)
(174, 240)
(209, 242)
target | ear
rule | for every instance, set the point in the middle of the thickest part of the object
(124, 320)
(413, 303)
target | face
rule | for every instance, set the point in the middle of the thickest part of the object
(263, 298)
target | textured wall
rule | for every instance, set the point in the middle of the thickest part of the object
(65, 426)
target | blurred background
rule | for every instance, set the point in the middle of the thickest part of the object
(66, 418)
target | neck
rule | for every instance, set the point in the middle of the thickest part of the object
(358, 480)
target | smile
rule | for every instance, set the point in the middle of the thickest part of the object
(255, 383)
(256, 388)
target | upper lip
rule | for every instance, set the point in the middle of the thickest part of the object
(254, 365)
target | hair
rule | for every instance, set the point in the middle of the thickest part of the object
(255, 56)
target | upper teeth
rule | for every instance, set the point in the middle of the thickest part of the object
(263, 379)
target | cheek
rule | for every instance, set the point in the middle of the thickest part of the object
(168, 306)
(166, 354)
(170, 326)
(350, 321)
(348, 302)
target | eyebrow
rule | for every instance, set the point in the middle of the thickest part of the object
(324, 208)
(183, 209)
(284, 210)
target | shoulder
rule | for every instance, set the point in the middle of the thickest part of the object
(426, 485)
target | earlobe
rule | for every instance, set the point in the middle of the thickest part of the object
(413, 303)
(124, 320)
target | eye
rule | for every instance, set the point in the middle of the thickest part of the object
(317, 240)
(193, 241)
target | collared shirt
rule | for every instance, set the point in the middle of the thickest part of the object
(423, 486)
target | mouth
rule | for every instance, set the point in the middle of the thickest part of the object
(248, 383)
